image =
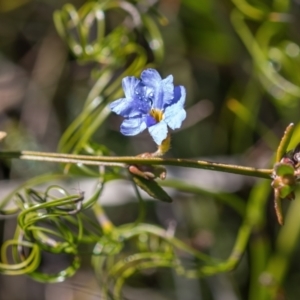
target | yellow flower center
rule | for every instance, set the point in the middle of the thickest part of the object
(156, 114)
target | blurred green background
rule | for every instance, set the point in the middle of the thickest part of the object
(240, 64)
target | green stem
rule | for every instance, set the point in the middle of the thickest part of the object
(103, 220)
(129, 160)
(284, 143)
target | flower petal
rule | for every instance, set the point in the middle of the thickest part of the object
(152, 88)
(132, 105)
(158, 132)
(150, 121)
(167, 90)
(175, 113)
(151, 78)
(133, 126)
(160, 91)
(129, 108)
(124, 107)
(129, 84)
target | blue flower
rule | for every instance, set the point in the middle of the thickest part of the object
(150, 102)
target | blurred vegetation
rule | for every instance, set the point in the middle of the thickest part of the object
(61, 63)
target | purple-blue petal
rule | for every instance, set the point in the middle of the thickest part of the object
(175, 113)
(160, 89)
(158, 132)
(129, 85)
(150, 121)
(125, 107)
(152, 88)
(151, 77)
(163, 94)
(167, 91)
(133, 126)
(133, 105)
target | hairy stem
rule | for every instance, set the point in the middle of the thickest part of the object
(124, 161)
